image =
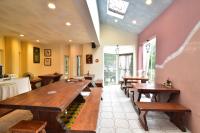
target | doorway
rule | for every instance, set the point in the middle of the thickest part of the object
(118, 62)
(149, 59)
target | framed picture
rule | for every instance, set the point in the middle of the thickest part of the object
(36, 55)
(47, 52)
(89, 59)
(47, 61)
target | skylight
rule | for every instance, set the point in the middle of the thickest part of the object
(117, 8)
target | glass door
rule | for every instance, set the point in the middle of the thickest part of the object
(125, 65)
(110, 69)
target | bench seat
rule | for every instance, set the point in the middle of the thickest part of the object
(176, 111)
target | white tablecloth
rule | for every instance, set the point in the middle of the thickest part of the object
(8, 90)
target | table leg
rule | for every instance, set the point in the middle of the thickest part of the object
(50, 117)
(171, 97)
(139, 96)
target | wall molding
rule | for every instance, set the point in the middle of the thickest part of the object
(181, 49)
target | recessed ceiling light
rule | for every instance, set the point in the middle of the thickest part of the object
(51, 6)
(134, 22)
(148, 2)
(70, 40)
(21, 35)
(37, 40)
(68, 24)
(116, 20)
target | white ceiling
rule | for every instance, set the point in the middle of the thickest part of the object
(36, 21)
(137, 10)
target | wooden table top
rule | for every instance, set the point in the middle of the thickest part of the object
(135, 78)
(53, 97)
(35, 80)
(50, 75)
(148, 87)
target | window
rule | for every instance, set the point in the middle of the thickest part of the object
(78, 60)
(117, 8)
(66, 64)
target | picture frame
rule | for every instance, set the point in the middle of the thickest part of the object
(36, 55)
(89, 59)
(47, 61)
(47, 52)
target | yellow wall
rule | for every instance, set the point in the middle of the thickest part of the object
(12, 55)
(19, 57)
(74, 51)
(2, 51)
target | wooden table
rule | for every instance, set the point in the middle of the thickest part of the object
(89, 76)
(34, 81)
(46, 79)
(47, 102)
(146, 88)
(142, 79)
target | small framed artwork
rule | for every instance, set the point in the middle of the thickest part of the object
(36, 55)
(89, 59)
(47, 52)
(47, 61)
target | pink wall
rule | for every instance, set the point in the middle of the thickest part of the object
(172, 27)
(185, 75)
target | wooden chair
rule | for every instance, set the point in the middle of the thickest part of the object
(29, 127)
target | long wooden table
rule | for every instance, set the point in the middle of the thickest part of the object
(47, 102)
(145, 88)
(46, 79)
(142, 79)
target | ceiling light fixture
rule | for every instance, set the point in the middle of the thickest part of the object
(21, 35)
(134, 22)
(37, 40)
(68, 24)
(116, 20)
(148, 2)
(51, 5)
(70, 40)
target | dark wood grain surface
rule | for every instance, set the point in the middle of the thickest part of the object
(53, 97)
(153, 106)
(151, 88)
(88, 116)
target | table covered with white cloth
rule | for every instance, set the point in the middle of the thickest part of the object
(8, 90)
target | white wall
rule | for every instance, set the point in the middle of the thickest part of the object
(97, 67)
(92, 5)
(112, 35)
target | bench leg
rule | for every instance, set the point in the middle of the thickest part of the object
(128, 92)
(178, 120)
(143, 120)
(139, 97)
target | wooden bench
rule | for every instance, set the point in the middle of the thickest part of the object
(126, 89)
(99, 83)
(177, 112)
(30, 126)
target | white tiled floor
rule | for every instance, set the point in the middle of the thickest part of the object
(117, 115)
